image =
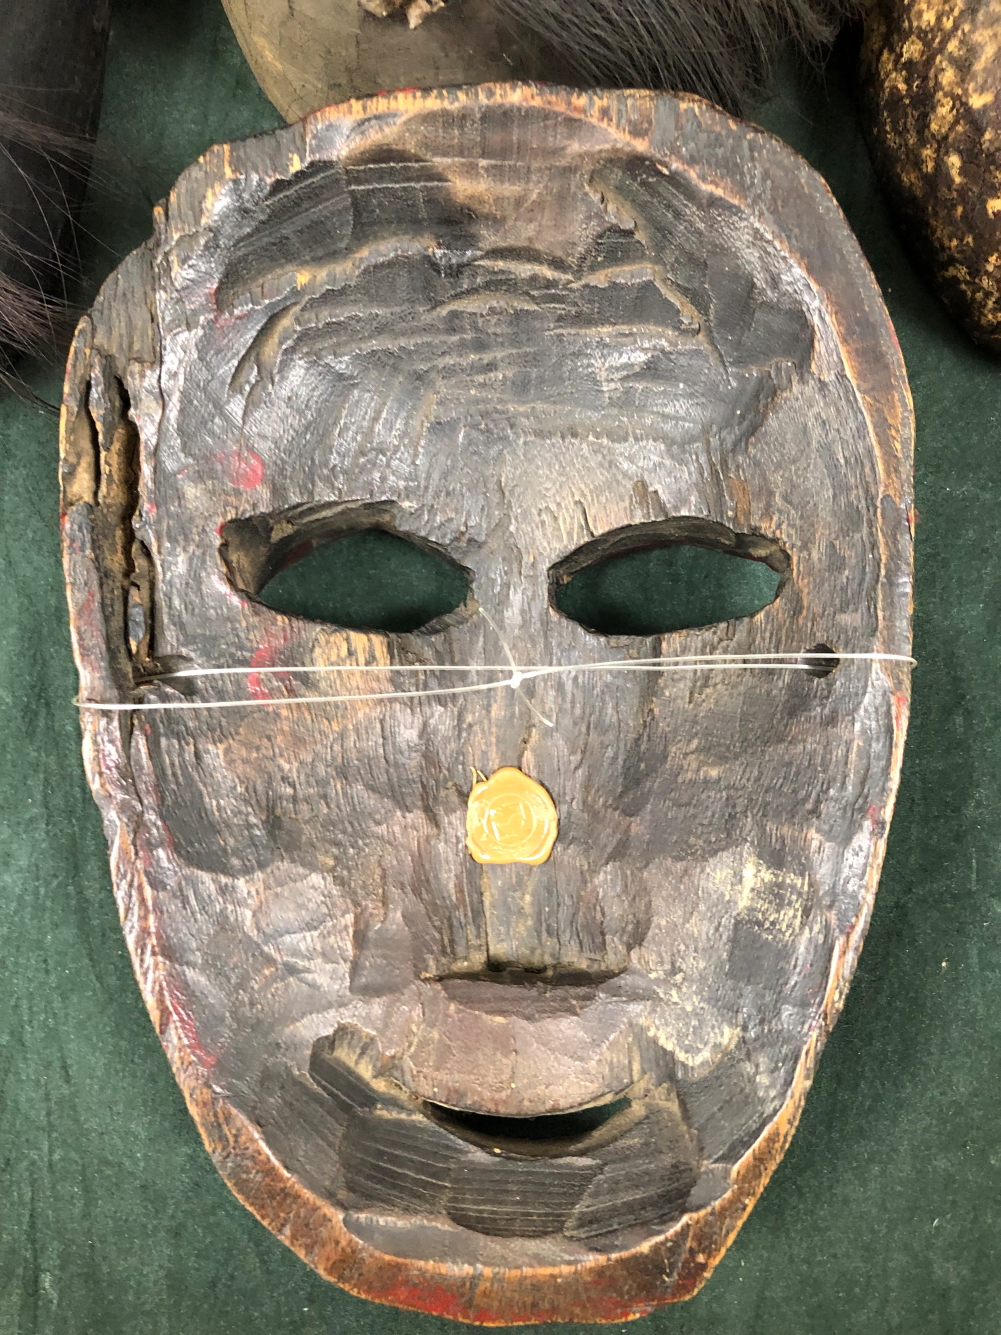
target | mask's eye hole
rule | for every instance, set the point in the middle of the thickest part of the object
(342, 565)
(368, 580)
(651, 579)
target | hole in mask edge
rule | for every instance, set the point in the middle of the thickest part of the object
(349, 567)
(660, 578)
(820, 667)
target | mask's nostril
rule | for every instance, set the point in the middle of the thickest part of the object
(824, 664)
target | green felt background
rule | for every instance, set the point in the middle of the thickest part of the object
(885, 1215)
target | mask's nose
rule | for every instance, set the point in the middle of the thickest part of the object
(510, 818)
(535, 919)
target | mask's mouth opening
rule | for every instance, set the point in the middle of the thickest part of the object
(547, 1137)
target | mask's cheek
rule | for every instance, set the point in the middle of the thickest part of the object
(213, 814)
(236, 797)
(740, 950)
(319, 827)
(257, 960)
(252, 952)
(713, 767)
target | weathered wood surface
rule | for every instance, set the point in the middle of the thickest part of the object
(307, 54)
(511, 322)
(931, 82)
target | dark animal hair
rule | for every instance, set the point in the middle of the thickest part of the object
(33, 271)
(723, 50)
(51, 71)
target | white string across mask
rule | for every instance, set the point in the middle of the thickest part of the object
(803, 661)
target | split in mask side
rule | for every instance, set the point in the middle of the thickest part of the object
(102, 469)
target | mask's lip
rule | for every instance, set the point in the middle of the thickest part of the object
(547, 1119)
(556, 1133)
(467, 1043)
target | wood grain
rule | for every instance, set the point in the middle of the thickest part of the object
(508, 323)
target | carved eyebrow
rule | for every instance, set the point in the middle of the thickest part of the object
(673, 318)
(308, 215)
(546, 270)
(422, 332)
(333, 211)
(308, 282)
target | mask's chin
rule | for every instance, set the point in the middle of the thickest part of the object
(439, 1180)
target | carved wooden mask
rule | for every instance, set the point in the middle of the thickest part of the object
(526, 331)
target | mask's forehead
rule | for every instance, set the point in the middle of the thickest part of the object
(369, 330)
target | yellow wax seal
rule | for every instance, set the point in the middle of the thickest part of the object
(510, 818)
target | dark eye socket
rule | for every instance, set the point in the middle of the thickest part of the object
(652, 579)
(343, 568)
(368, 580)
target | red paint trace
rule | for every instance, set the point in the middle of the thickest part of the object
(242, 468)
(264, 657)
(180, 1015)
